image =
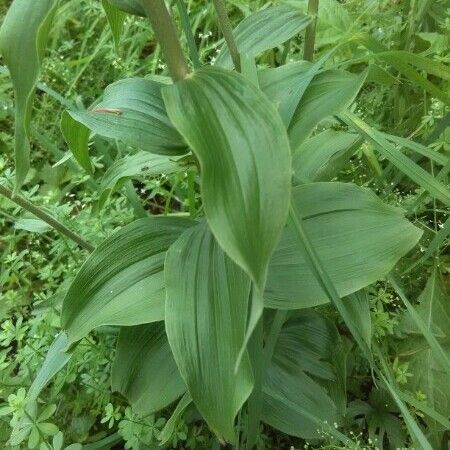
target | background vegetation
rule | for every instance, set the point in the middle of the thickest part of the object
(37, 264)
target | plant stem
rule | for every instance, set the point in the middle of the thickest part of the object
(185, 22)
(166, 33)
(41, 214)
(227, 31)
(310, 34)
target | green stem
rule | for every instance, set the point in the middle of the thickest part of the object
(166, 34)
(254, 405)
(41, 214)
(186, 24)
(310, 34)
(227, 31)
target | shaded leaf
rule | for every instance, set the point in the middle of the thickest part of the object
(55, 360)
(122, 281)
(302, 370)
(116, 19)
(144, 370)
(129, 6)
(321, 157)
(357, 237)
(241, 143)
(263, 30)
(135, 166)
(206, 318)
(23, 38)
(77, 137)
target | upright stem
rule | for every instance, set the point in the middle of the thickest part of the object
(166, 33)
(227, 31)
(310, 35)
(186, 23)
(41, 214)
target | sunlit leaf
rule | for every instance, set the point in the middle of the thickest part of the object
(358, 238)
(206, 318)
(240, 141)
(122, 281)
(132, 111)
(116, 19)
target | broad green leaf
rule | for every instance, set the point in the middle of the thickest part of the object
(398, 159)
(55, 360)
(329, 93)
(321, 157)
(116, 19)
(144, 370)
(303, 368)
(132, 111)
(244, 155)
(77, 137)
(23, 38)
(135, 166)
(264, 30)
(129, 6)
(357, 237)
(122, 281)
(206, 317)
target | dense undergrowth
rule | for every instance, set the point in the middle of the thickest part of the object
(38, 264)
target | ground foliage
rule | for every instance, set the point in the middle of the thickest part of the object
(79, 408)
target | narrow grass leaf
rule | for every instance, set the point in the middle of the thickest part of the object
(398, 159)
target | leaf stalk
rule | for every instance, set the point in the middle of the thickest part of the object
(310, 34)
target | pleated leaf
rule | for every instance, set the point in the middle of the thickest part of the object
(23, 38)
(264, 30)
(321, 157)
(141, 164)
(330, 92)
(206, 317)
(122, 281)
(307, 364)
(144, 370)
(358, 238)
(132, 111)
(244, 155)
